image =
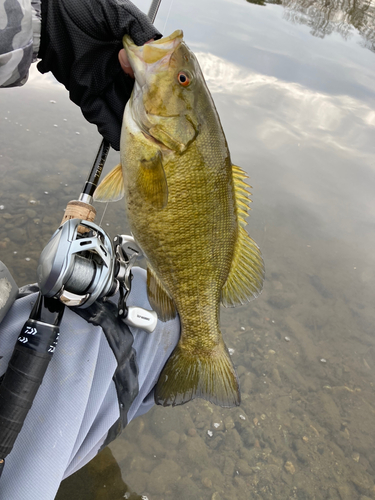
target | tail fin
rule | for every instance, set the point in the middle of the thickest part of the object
(208, 376)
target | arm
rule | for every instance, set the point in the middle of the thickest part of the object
(80, 45)
(19, 40)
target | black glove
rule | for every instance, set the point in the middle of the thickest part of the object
(80, 42)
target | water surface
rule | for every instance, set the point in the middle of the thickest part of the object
(293, 82)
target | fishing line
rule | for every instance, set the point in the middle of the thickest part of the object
(103, 214)
(169, 11)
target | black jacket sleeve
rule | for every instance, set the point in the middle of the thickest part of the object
(80, 41)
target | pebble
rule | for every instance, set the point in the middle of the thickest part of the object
(52, 101)
(323, 360)
(287, 339)
(228, 422)
(210, 433)
(242, 417)
(2, 207)
(289, 467)
(27, 259)
(231, 351)
(255, 421)
(206, 481)
(46, 192)
(31, 214)
(355, 457)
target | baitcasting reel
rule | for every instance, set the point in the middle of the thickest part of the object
(80, 264)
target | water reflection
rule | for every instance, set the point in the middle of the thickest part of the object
(299, 117)
(325, 17)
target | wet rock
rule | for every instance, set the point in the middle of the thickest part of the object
(247, 383)
(362, 481)
(151, 446)
(163, 475)
(329, 412)
(18, 235)
(172, 439)
(333, 494)
(30, 213)
(229, 423)
(243, 468)
(177, 420)
(289, 467)
(195, 451)
(282, 300)
(345, 492)
(301, 451)
(137, 480)
(355, 457)
(229, 465)
(233, 440)
(316, 282)
(215, 442)
(248, 437)
(186, 489)
(217, 424)
(207, 482)
(240, 483)
(275, 377)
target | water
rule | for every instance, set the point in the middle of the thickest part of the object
(294, 86)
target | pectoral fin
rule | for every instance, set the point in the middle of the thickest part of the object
(112, 186)
(246, 276)
(159, 299)
(152, 183)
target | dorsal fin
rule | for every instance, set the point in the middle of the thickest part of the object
(246, 275)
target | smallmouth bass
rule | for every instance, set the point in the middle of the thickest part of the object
(186, 204)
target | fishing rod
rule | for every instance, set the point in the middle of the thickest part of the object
(79, 265)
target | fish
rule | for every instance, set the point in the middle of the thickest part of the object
(186, 205)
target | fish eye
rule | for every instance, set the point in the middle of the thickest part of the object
(183, 79)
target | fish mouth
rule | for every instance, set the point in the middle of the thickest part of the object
(156, 52)
(153, 57)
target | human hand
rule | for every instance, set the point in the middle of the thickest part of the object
(125, 64)
(82, 45)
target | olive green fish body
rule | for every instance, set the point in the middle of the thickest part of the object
(186, 205)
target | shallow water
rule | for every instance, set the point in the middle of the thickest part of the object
(294, 86)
